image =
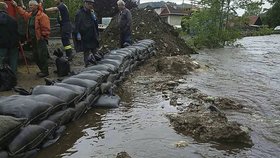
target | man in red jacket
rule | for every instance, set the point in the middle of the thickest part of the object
(38, 32)
(11, 10)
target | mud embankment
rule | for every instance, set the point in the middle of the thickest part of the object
(202, 117)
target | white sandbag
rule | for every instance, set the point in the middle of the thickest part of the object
(107, 101)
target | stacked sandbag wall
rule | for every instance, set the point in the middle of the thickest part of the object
(29, 123)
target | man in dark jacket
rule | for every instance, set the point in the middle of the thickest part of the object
(9, 38)
(65, 25)
(86, 30)
(124, 19)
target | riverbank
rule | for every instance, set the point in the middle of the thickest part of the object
(247, 75)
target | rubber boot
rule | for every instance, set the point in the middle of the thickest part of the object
(69, 54)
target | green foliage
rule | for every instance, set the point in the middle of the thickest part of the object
(253, 8)
(217, 23)
(208, 26)
(272, 16)
(263, 31)
(73, 6)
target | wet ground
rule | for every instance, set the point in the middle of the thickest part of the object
(26, 75)
(249, 75)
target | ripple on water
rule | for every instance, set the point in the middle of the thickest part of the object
(249, 74)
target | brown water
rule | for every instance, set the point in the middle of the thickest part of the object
(250, 74)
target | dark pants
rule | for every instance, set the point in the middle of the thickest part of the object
(11, 56)
(125, 37)
(40, 54)
(66, 35)
(87, 52)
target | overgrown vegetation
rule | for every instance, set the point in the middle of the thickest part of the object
(272, 17)
(216, 23)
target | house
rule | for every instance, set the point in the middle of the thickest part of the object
(173, 14)
(254, 21)
(156, 6)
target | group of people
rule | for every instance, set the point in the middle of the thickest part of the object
(85, 31)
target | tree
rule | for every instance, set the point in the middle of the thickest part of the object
(252, 7)
(213, 24)
(272, 16)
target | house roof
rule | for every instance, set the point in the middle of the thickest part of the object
(253, 19)
(173, 10)
(152, 5)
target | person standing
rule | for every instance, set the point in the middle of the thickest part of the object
(11, 10)
(65, 26)
(86, 31)
(38, 32)
(125, 20)
(9, 38)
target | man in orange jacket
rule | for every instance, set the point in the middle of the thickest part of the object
(11, 10)
(38, 32)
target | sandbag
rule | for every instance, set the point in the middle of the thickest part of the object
(8, 78)
(64, 94)
(81, 91)
(104, 73)
(28, 154)
(91, 99)
(96, 91)
(137, 63)
(78, 89)
(120, 58)
(134, 51)
(56, 103)
(127, 71)
(9, 127)
(50, 126)
(124, 66)
(90, 76)
(23, 107)
(107, 101)
(4, 154)
(57, 135)
(119, 81)
(88, 84)
(80, 109)
(127, 53)
(62, 117)
(112, 77)
(111, 68)
(114, 62)
(29, 138)
(133, 67)
(102, 67)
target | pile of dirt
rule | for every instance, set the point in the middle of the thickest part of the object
(201, 98)
(206, 124)
(147, 24)
(175, 65)
(123, 154)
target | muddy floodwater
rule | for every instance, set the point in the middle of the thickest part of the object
(249, 74)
